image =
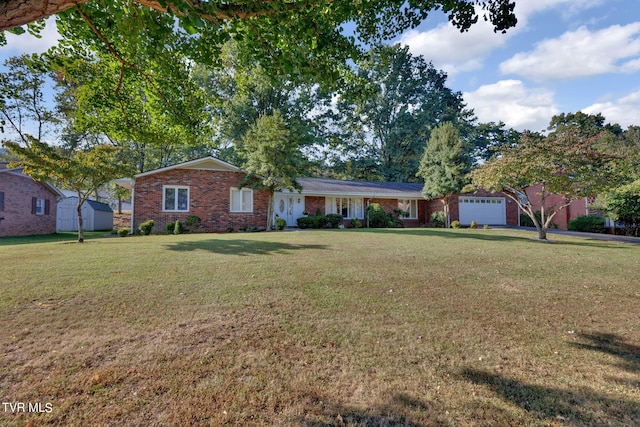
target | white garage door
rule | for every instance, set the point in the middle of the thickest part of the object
(483, 210)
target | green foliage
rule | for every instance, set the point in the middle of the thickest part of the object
(123, 232)
(280, 223)
(147, 227)
(333, 220)
(473, 225)
(526, 221)
(318, 221)
(192, 223)
(378, 217)
(623, 206)
(588, 223)
(438, 219)
(170, 227)
(178, 228)
(385, 114)
(456, 224)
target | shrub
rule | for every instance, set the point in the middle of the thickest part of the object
(146, 227)
(473, 224)
(281, 223)
(170, 226)
(123, 232)
(179, 228)
(377, 216)
(192, 222)
(588, 223)
(356, 223)
(333, 220)
(230, 229)
(318, 212)
(456, 224)
(312, 221)
(486, 226)
(437, 219)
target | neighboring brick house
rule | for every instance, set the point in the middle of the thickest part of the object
(208, 188)
(26, 206)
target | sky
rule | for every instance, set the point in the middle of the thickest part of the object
(563, 56)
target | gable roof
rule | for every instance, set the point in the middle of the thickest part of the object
(205, 163)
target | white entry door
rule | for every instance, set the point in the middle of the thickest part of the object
(288, 207)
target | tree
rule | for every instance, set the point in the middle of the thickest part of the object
(81, 171)
(299, 37)
(273, 160)
(445, 164)
(384, 116)
(623, 206)
(22, 101)
(566, 164)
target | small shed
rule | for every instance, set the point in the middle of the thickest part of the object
(96, 216)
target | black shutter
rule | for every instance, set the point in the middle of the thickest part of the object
(46, 207)
(1, 201)
(34, 202)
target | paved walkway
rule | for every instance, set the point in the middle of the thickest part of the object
(593, 236)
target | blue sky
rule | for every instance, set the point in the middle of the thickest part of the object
(563, 56)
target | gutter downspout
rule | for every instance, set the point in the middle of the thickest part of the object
(133, 204)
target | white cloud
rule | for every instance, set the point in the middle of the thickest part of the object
(580, 53)
(511, 102)
(27, 44)
(625, 111)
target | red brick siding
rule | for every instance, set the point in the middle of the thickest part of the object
(313, 203)
(19, 192)
(209, 199)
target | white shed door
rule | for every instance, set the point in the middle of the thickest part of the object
(483, 210)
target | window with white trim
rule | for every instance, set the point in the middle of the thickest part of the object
(409, 206)
(175, 198)
(241, 200)
(348, 207)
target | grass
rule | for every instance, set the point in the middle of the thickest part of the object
(412, 327)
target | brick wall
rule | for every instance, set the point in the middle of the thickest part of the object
(575, 209)
(436, 205)
(313, 203)
(19, 192)
(209, 199)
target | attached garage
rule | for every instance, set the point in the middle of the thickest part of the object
(483, 210)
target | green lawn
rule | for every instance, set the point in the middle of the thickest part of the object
(412, 327)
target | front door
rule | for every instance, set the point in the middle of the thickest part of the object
(289, 207)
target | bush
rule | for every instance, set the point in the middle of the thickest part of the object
(123, 232)
(170, 226)
(230, 229)
(588, 223)
(179, 228)
(146, 227)
(438, 219)
(356, 223)
(473, 224)
(281, 223)
(456, 224)
(312, 221)
(192, 222)
(377, 216)
(333, 220)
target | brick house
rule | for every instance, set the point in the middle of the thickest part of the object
(26, 206)
(482, 207)
(574, 209)
(208, 188)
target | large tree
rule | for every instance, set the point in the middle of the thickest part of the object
(385, 115)
(82, 171)
(445, 164)
(273, 161)
(566, 163)
(302, 37)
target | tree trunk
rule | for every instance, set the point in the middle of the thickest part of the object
(542, 233)
(270, 211)
(80, 222)
(447, 218)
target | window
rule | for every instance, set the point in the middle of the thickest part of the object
(175, 199)
(241, 200)
(39, 206)
(410, 206)
(348, 207)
